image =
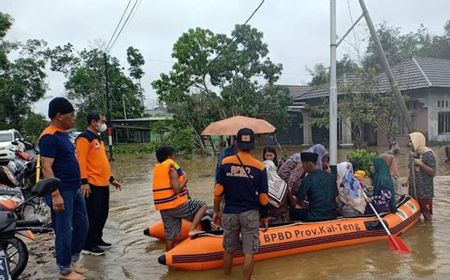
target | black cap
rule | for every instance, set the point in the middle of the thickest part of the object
(312, 157)
(245, 139)
(59, 105)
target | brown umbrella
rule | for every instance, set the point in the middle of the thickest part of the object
(232, 125)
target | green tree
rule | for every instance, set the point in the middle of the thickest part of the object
(85, 72)
(33, 125)
(321, 74)
(216, 76)
(22, 81)
(363, 104)
(136, 61)
(398, 46)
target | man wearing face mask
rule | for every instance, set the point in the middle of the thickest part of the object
(96, 176)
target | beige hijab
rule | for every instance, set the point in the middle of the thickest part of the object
(418, 140)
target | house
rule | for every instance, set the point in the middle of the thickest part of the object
(426, 82)
(294, 135)
(138, 130)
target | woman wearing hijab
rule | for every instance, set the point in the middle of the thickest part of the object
(292, 173)
(422, 169)
(350, 200)
(393, 170)
(278, 204)
(383, 198)
(323, 159)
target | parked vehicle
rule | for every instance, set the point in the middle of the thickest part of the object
(7, 137)
(13, 251)
(24, 169)
(73, 134)
(10, 194)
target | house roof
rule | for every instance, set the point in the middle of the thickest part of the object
(297, 91)
(410, 74)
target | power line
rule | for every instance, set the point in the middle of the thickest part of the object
(123, 26)
(134, 13)
(356, 44)
(234, 37)
(118, 24)
(254, 12)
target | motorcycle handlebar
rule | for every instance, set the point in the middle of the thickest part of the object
(28, 223)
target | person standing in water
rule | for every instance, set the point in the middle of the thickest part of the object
(422, 169)
(69, 218)
(242, 180)
(96, 176)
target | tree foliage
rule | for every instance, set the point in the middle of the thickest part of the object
(216, 76)
(85, 72)
(32, 125)
(362, 104)
(22, 81)
(398, 46)
(321, 74)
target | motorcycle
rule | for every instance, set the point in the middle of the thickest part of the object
(10, 194)
(24, 166)
(26, 170)
(13, 251)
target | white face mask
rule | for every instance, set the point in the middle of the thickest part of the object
(102, 128)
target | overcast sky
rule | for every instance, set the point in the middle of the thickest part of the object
(297, 31)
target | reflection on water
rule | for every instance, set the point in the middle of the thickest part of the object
(134, 256)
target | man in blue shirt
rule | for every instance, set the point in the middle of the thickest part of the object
(69, 216)
(242, 180)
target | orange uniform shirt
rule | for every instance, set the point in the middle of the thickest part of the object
(94, 164)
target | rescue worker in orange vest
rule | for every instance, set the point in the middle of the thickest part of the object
(95, 179)
(170, 196)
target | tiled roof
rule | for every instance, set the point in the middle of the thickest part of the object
(297, 91)
(437, 70)
(410, 74)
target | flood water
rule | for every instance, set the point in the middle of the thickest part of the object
(134, 256)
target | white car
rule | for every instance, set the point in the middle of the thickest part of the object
(6, 147)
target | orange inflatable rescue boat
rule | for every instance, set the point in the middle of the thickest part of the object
(156, 230)
(206, 251)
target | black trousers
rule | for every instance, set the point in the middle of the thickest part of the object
(97, 206)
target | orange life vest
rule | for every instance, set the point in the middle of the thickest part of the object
(163, 194)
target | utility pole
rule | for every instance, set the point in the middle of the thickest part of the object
(384, 63)
(108, 109)
(333, 88)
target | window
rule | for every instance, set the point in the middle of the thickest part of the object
(443, 122)
(439, 103)
(17, 135)
(5, 137)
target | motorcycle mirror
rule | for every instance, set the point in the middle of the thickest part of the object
(46, 186)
